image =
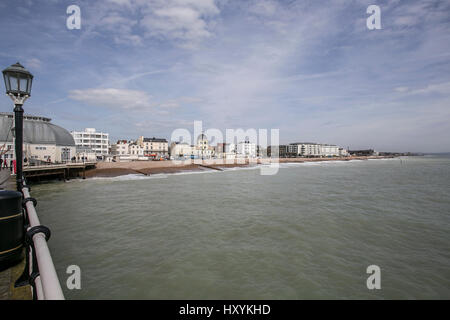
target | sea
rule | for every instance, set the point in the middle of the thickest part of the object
(312, 231)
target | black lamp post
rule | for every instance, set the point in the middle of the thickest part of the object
(18, 87)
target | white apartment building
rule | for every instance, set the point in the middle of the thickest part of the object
(309, 149)
(98, 142)
(328, 150)
(246, 149)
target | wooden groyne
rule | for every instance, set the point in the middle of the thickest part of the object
(210, 167)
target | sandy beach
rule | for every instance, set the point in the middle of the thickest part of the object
(114, 169)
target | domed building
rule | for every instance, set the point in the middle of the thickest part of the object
(203, 150)
(43, 141)
(202, 141)
(183, 150)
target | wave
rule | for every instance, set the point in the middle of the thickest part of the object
(283, 165)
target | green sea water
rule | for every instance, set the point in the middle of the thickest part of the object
(308, 232)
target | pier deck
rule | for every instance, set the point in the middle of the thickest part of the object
(10, 275)
(6, 180)
(7, 279)
(64, 171)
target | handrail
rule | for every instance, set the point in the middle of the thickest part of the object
(46, 283)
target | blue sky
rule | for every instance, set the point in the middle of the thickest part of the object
(309, 68)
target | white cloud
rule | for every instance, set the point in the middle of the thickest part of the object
(170, 104)
(33, 63)
(112, 98)
(401, 89)
(185, 21)
(264, 7)
(440, 88)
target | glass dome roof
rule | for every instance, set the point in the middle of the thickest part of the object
(35, 132)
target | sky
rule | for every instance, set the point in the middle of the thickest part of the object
(311, 69)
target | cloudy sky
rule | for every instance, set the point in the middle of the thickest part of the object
(309, 68)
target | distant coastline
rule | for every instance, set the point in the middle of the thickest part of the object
(115, 169)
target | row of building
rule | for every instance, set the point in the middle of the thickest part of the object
(307, 149)
(159, 148)
(47, 142)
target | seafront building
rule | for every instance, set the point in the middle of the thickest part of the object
(246, 149)
(366, 152)
(180, 150)
(125, 150)
(43, 141)
(306, 149)
(141, 149)
(154, 147)
(343, 152)
(159, 149)
(201, 150)
(225, 151)
(120, 148)
(281, 151)
(309, 149)
(93, 142)
(329, 150)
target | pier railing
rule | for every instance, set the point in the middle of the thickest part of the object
(42, 273)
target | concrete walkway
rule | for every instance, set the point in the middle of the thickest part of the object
(7, 279)
(5, 179)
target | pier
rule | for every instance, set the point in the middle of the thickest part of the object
(10, 275)
(63, 171)
(43, 283)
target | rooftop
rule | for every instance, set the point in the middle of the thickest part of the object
(155, 139)
(36, 130)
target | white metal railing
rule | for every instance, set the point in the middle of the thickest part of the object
(46, 283)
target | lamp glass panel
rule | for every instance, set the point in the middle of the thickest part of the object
(23, 85)
(30, 80)
(14, 82)
(6, 78)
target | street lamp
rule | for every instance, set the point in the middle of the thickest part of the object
(18, 87)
